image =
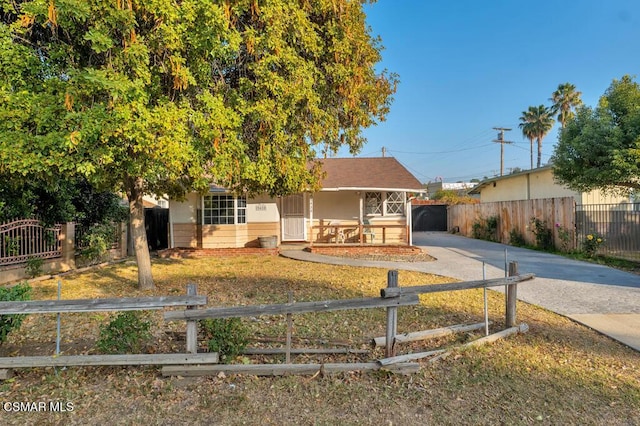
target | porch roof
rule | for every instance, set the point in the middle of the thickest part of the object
(382, 173)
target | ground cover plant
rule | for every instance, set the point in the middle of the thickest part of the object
(557, 373)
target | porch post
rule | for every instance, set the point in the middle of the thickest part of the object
(311, 219)
(409, 221)
(360, 217)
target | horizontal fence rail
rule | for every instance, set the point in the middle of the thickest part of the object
(618, 225)
(24, 239)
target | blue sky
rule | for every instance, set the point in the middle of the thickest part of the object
(467, 66)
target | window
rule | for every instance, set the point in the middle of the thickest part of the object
(391, 203)
(373, 203)
(224, 209)
(395, 203)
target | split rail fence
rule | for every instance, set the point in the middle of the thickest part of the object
(391, 298)
(193, 364)
(191, 300)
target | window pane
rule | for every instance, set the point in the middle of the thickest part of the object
(395, 203)
(373, 203)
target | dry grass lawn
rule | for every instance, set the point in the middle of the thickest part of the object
(557, 373)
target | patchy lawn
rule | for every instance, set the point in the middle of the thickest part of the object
(557, 373)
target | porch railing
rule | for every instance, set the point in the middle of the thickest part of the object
(358, 233)
(21, 240)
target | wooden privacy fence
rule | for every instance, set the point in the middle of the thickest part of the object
(24, 239)
(391, 298)
(557, 213)
(191, 300)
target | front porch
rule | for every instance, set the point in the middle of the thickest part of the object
(357, 233)
(356, 217)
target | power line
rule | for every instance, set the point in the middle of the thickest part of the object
(438, 152)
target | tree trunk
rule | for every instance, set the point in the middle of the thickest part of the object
(139, 234)
(539, 151)
(531, 151)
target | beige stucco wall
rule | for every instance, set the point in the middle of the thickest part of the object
(598, 197)
(185, 211)
(540, 184)
(343, 205)
(543, 186)
(514, 188)
(263, 209)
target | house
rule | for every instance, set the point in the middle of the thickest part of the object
(536, 184)
(461, 188)
(361, 200)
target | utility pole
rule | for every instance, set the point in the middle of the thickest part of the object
(501, 141)
(384, 152)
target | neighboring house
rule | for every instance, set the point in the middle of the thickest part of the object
(358, 194)
(535, 184)
(460, 187)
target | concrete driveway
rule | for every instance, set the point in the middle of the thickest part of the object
(602, 298)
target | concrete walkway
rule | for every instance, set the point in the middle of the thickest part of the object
(602, 298)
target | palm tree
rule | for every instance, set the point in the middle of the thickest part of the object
(528, 130)
(565, 99)
(536, 123)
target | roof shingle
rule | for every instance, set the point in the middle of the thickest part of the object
(367, 173)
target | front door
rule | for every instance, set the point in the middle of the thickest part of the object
(293, 218)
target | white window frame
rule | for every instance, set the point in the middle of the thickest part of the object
(239, 209)
(382, 209)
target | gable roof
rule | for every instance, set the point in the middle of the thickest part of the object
(381, 173)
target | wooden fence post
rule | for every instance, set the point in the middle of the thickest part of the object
(289, 332)
(511, 295)
(392, 317)
(192, 325)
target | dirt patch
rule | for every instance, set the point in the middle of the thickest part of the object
(376, 253)
(188, 252)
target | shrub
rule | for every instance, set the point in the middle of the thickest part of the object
(485, 229)
(9, 323)
(126, 333)
(97, 241)
(227, 336)
(566, 237)
(516, 238)
(591, 244)
(544, 236)
(34, 267)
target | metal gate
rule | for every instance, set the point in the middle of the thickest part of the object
(618, 225)
(293, 218)
(156, 223)
(429, 218)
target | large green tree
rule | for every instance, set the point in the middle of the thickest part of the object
(162, 97)
(536, 122)
(565, 100)
(600, 147)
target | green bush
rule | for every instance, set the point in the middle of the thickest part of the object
(485, 229)
(516, 238)
(127, 333)
(9, 323)
(97, 241)
(591, 244)
(544, 235)
(34, 267)
(227, 336)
